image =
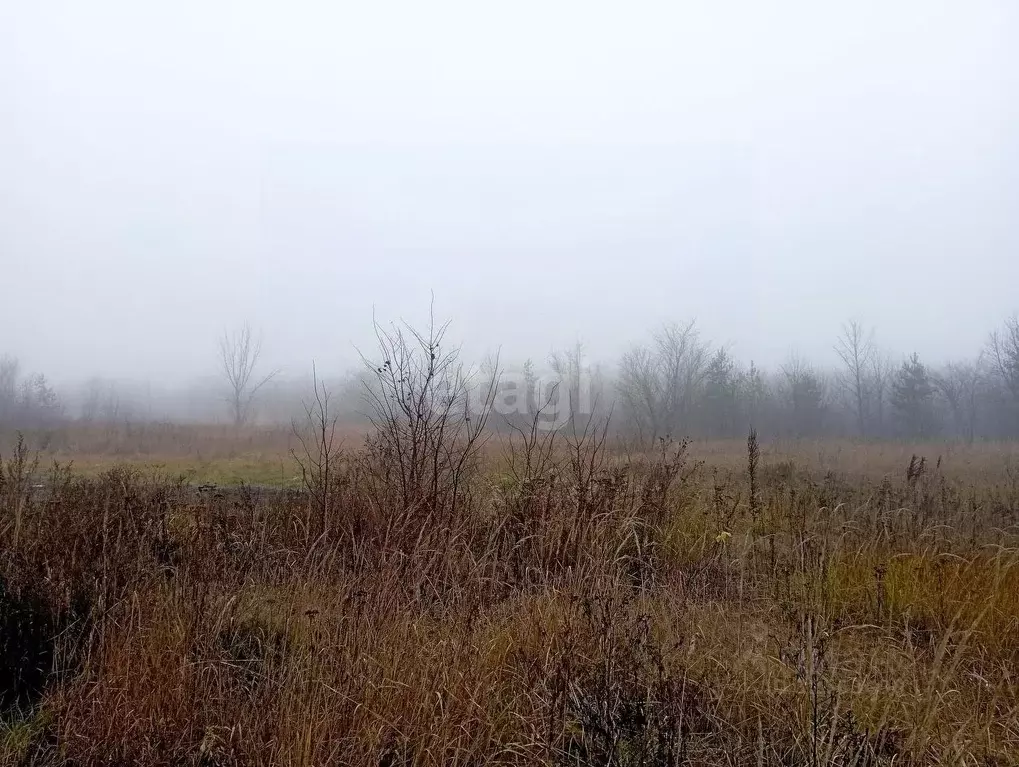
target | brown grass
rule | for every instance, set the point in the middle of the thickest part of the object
(611, 610)
(225, 454)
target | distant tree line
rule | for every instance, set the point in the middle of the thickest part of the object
(676, 383)
(26, 400)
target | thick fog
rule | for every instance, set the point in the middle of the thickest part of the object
(553, 172)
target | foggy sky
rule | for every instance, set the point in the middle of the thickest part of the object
(553, 171)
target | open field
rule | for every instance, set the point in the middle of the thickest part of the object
(226, 455)
(816, 603)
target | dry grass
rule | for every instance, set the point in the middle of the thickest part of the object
(601, 609)
(228, 455)
(217, 454)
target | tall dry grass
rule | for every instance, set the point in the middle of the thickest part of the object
(566, 605)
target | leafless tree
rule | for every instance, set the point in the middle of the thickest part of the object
(110, 408)
(640, 391)
(806, 391)
(100, 401)
(580, 385)
(92, 396)
(239, 355)
(959, 384)
(659, 384)
(569, 368)
(9, 369)
(882, 370)
(1003, 354)
(855, 348)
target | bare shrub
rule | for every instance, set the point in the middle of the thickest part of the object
(428, 419)
(320, 457)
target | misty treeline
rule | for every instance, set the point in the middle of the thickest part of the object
(26, 399)
(678, 384)
(674, 383)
